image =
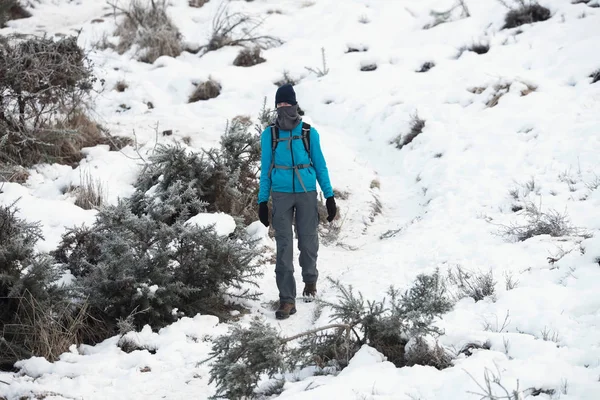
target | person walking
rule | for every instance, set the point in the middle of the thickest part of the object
(291, 165)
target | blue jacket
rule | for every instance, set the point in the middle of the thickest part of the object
(286, 180)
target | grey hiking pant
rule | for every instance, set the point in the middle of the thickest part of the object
(305, 207)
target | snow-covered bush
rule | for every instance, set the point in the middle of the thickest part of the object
(242, 356)
(247, 57)
(45, 86)
(416, 128)
(524, 12)
(388, 325)
(129, 265)
(11, 9)
(476, 285)
(148, 29)
(178, 184)
(205, 91)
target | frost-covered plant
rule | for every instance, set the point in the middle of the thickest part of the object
(523, 12)
(148, 28)
(324, 69)
(388, 325)
(416, 128)
(266, 117)
(178, 184)
(595, 76)
(538, 222)
(476, 285)
(173, 186)
(135, 265)
(242, 356)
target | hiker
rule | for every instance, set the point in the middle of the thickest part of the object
(291, 165)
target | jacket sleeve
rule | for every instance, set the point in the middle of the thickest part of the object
(264, 190)
(316, 154)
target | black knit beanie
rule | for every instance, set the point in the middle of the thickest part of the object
(286, 94)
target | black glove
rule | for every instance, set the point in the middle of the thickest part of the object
(263, 213)
(331, 208)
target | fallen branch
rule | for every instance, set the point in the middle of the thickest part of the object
(316, 330)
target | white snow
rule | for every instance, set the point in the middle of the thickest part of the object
(222, 223)
(447, 193)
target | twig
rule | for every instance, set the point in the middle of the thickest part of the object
(316, 330)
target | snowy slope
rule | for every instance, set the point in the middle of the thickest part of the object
(449, 208)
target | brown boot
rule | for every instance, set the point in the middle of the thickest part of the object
(285, 310)
(309, 292)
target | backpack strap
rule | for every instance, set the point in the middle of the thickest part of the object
(306, 138)
(274, 141)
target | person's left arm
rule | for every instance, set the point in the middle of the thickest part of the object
(319, 163)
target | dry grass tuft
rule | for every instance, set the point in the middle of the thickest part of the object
(205, 91)
(249, 57)
(90, 194)
(148, 28)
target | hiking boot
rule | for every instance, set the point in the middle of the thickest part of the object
(309, 292)
(285, 310)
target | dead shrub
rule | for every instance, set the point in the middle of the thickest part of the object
(416, 128)
(148, 27)
(236, 29)
(10, 10)
(595, 76)
(476, 285)
(423, 353)
(248, 57)
(523, 12)
(45, 87)
(205, 91)
(537, 223)
(13, 173)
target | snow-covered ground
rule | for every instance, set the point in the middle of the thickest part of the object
(447, 193)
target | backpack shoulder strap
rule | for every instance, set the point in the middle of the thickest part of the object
(274, 137)
(306, 137)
